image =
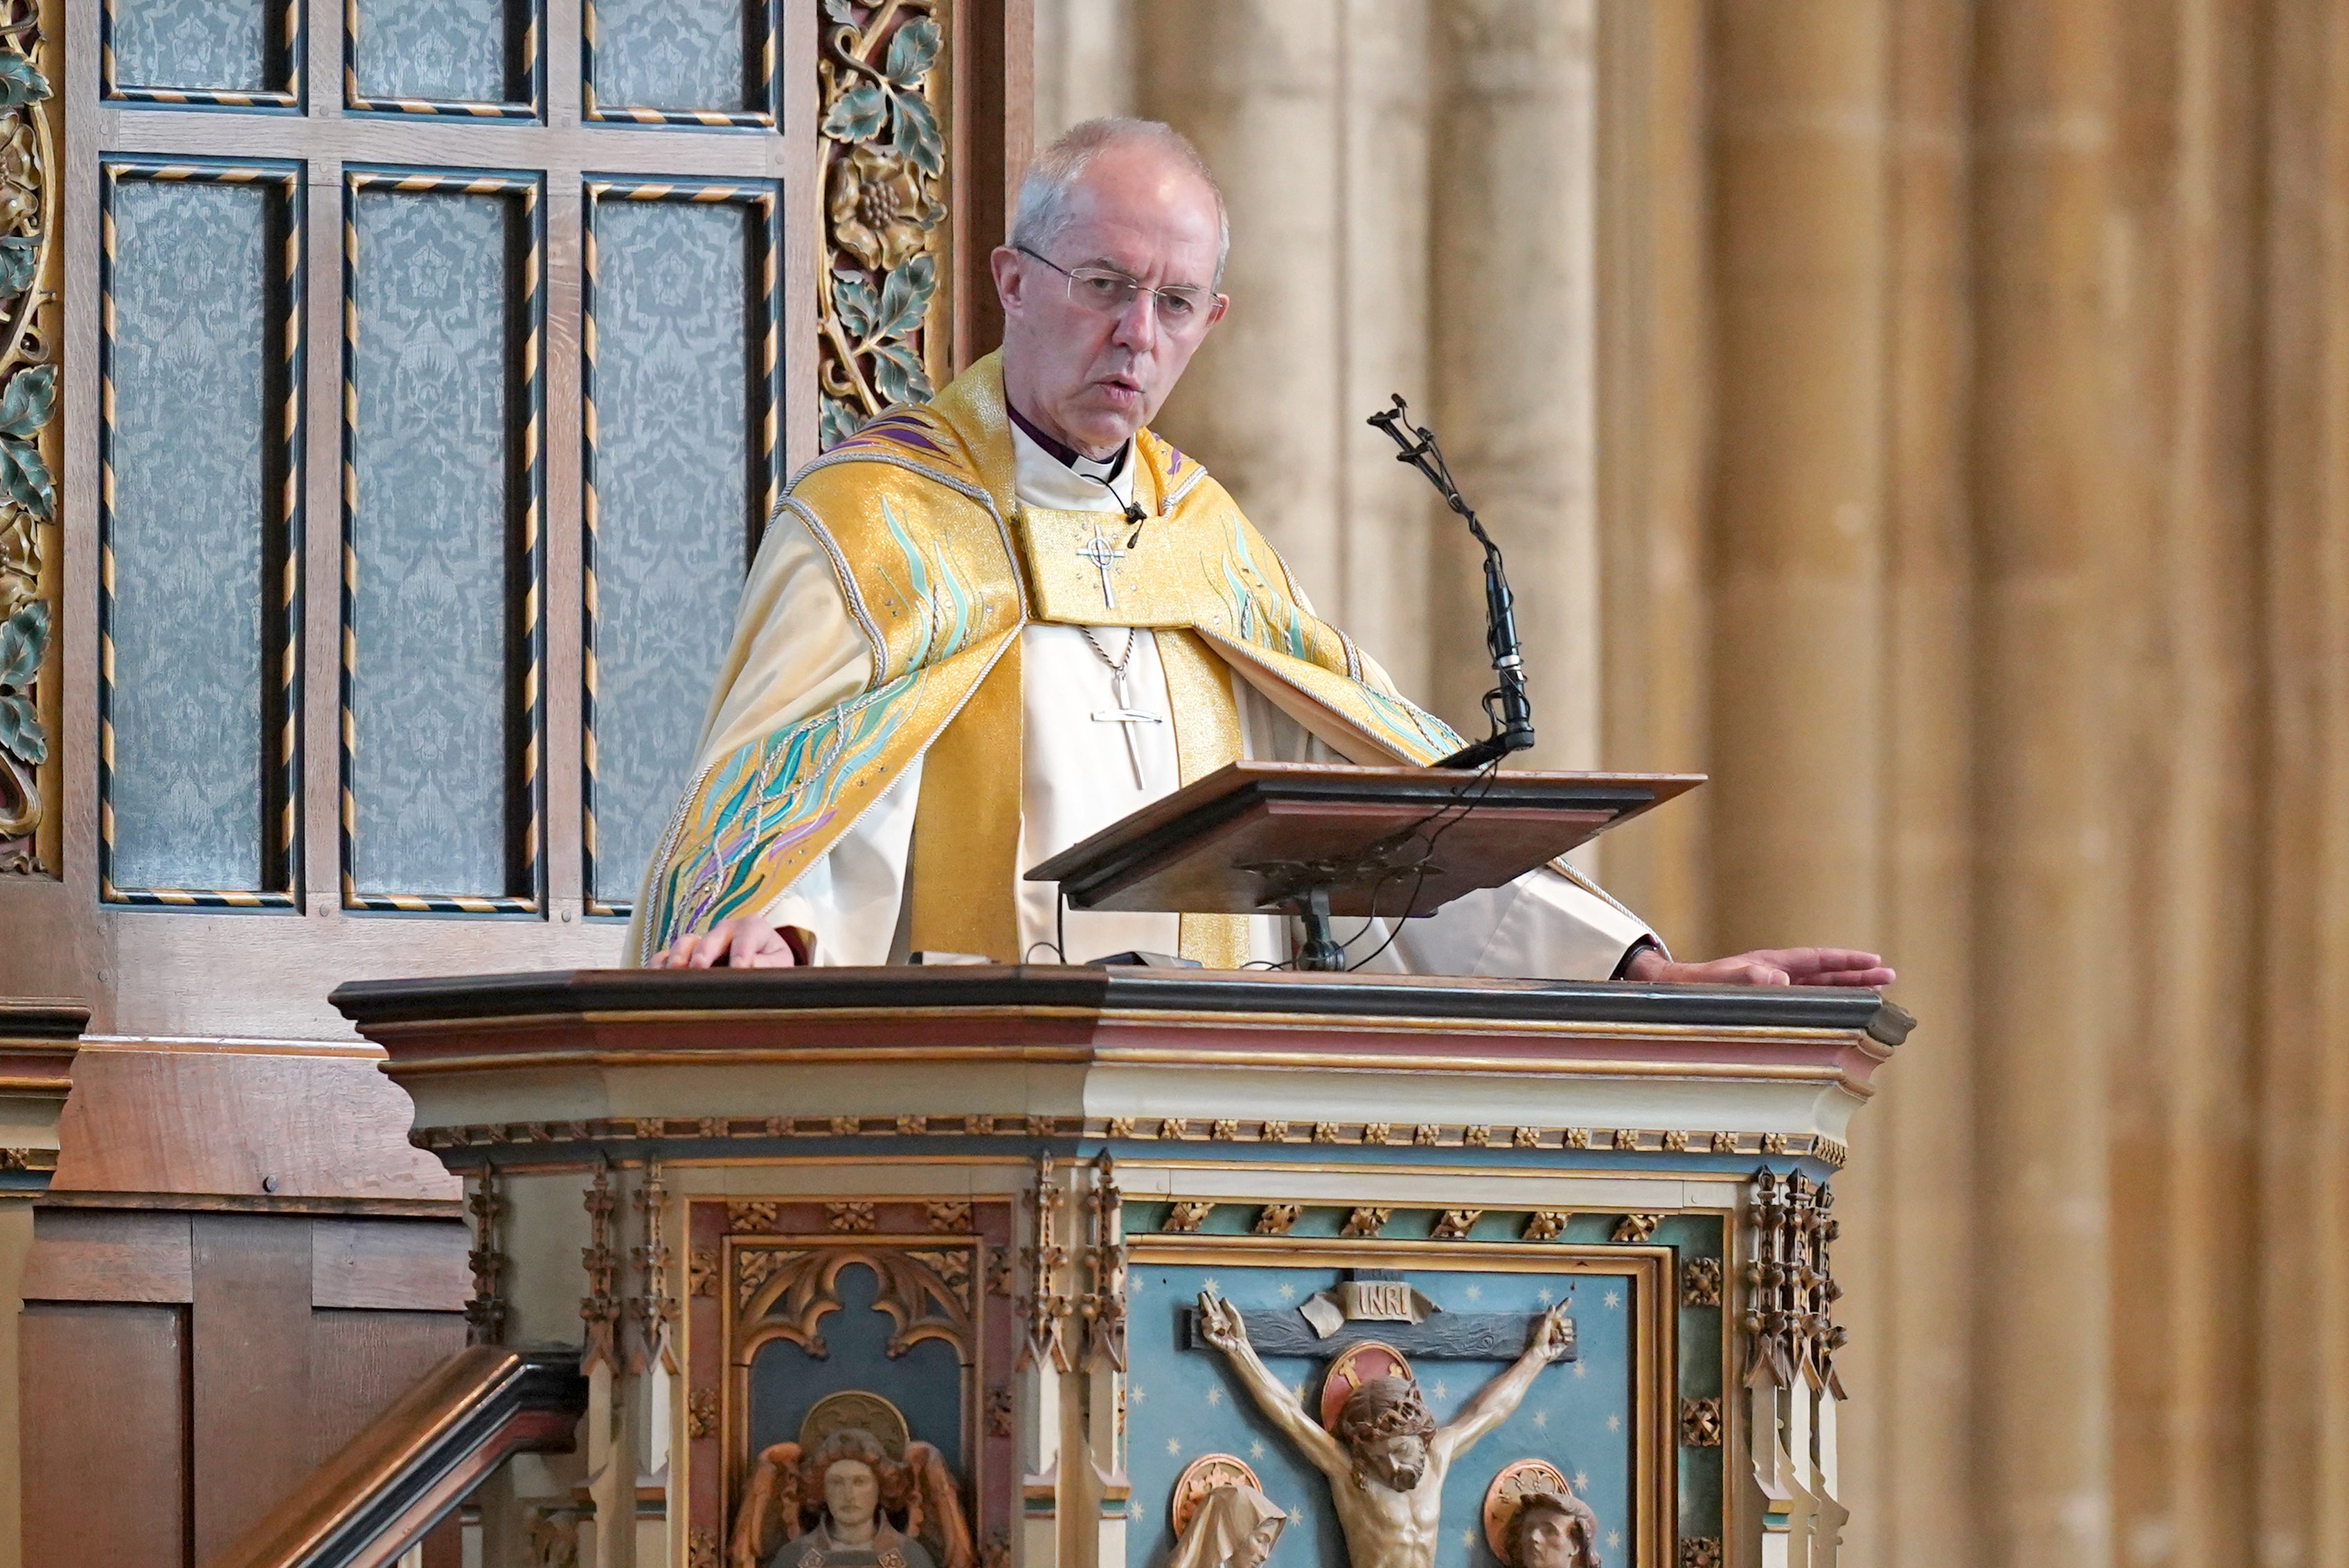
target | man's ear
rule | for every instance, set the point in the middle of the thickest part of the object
(1010, 279)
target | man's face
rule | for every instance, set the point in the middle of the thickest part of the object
(1548, 1541)
(1092, 377)
(1397, 1461)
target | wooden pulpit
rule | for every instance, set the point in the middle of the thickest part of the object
(971, 1221)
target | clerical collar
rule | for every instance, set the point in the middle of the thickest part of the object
(1069, 457)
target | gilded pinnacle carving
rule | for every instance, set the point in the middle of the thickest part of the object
(1044, 1307)
(654, 1310)
(485, 1313)
(1104, 1303)
(600, 1308)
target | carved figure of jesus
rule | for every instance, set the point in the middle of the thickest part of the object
(1386, 1461)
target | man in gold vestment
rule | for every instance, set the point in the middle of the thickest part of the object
(978, 631)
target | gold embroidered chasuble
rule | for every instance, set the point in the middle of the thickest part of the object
(941, 566)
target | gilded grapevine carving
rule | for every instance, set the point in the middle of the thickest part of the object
(884, 167)
(28, 393)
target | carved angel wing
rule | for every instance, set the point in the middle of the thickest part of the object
(934, 1516)
(769, 1515)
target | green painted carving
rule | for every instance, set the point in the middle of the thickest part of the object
(885, 162)
(28, 222)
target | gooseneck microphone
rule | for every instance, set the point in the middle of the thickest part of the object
(1506, 705)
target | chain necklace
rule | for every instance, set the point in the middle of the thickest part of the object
(1124, 713)
(1116, 666)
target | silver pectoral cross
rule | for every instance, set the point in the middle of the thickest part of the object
(1106, 557)
(1127, 714)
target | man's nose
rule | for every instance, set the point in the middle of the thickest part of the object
(1137, 324)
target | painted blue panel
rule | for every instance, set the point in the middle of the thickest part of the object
(925, 1382)
(225, 44)
(191, 392)
(435, 533)
(450, 51)
(674, 423)
(672, 54)
(1184, 1403)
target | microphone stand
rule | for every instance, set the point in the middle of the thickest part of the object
(1512, 716)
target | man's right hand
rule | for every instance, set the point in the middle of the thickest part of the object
(730, 944)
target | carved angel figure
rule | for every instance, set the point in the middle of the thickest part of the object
(1236, 1527)
(849, 1489)
(1553, 1530)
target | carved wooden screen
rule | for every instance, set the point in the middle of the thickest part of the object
(429, 368)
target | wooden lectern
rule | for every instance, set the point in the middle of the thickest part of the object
(1316, 840)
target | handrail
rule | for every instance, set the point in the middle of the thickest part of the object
(419, 1458)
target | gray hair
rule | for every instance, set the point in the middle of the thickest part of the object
(1044, 193)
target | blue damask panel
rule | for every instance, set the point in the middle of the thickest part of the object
(674, 53)
(444, 51)
(190, 363)
(228, 46)
(437, 654)
(677, 412)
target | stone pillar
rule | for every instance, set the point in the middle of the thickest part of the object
(1084, 64)
(1800, 710)
(1255, 84)
(2180, 669)
(1313, 113)
(1389, 517)
(2302, 1439)
(1654, 392)
(1913, 1298)
(2043, 119)
(1513, 193)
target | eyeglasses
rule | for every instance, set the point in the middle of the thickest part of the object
(1181, 308)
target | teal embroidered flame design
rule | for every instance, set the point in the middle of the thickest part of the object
(1408, 719)
(1259, 615)
(950, 613)
(1271, 619)
(779, 791)
(765, 799)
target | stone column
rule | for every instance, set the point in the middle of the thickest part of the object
(2045, 124)
(1084, 63)
(2302, 1439)
(1513, 192)
(1313, 113)
(1911, 1448)
(1255, 84)
(1654, 392)
(1803, 247)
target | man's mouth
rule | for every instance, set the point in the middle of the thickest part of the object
(1119, 390)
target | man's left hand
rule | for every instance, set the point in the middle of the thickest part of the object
(1767, 966)
(730, 944)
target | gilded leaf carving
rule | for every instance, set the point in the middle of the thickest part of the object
(28, 407)
(884, 171)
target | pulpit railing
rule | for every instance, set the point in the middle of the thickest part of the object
(393, 1482)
